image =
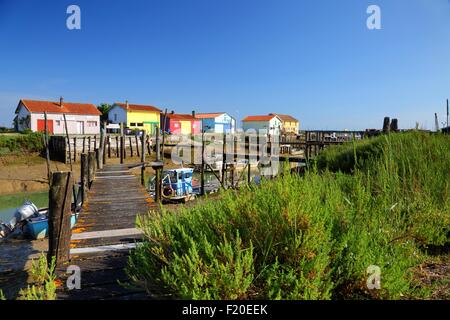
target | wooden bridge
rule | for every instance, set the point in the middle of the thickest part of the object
(104, 234)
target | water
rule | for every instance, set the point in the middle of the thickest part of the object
(10, 202)
(7, 214)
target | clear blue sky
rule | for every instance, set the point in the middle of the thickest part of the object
(315, 60)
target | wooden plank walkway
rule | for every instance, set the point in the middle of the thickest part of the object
(104, 235)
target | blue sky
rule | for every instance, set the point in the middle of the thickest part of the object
(315, 60)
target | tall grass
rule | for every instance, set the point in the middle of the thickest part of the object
(309, 237)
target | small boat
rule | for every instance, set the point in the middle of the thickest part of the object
(30, 221)
(176, 184)
(37, 227)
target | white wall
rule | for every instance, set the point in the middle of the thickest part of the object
(274, 125)
(117, 115)
(91, 124)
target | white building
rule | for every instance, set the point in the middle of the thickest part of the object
(82, 118)
(270, 124)
(218, 122)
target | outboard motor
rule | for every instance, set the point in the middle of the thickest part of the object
(27, 210)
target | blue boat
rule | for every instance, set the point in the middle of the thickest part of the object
(37, 227)
(176, 184)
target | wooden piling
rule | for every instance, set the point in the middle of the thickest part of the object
(109, 146)
(224, 150)
(202, 169)
(91, 167)
(158, 171)
(122, 140)
(59, 215)
(84, 176)
(84, 142)
(249, 172)
(47, 151)
(74, 149)
(101, 149)
(131, 147)
(142, 157)
(137, 145)
(68, 141)
(117, 146)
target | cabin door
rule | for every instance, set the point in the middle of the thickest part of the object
(41, 126)
(80, 127)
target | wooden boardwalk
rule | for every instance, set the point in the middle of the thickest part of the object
(104, 234)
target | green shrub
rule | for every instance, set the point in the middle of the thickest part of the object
(32, 142)
(43, 278)
(309, 237)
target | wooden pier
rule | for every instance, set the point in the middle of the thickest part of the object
(104, 234)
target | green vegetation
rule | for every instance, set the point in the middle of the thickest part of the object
(382, 202)
(40, 199)
(15, 143)
(43, 278)
(2, 296)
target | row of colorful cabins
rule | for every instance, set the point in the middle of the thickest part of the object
(85, 119)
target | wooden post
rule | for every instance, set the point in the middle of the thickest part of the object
(68, 142)
(202, 169)
(158, 171)
(84, 142)
(109, 146)
(137, 144)
(249, 173)
(122, 140)
(47, 151)
(148, 146)
(224, 150)
(117, 146)
(84, 176)
(142, 156)
(101, 149)
(74, 149)
(131, 147)
(59, 215)
(89, 144)
(91, 167)
(95, 142)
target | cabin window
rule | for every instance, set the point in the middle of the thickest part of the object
(92, 123)
(173, 177)
(188, 175)
(115, 117)
(133, 124)
(140, 124)
(58, 123)
(180, 175)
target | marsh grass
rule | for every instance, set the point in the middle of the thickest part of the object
(311, 236)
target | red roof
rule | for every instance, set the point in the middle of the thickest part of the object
(35, 106)
(285, 117)
(259, 118)
(208, 115)
(138, 107)
(179, 116)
